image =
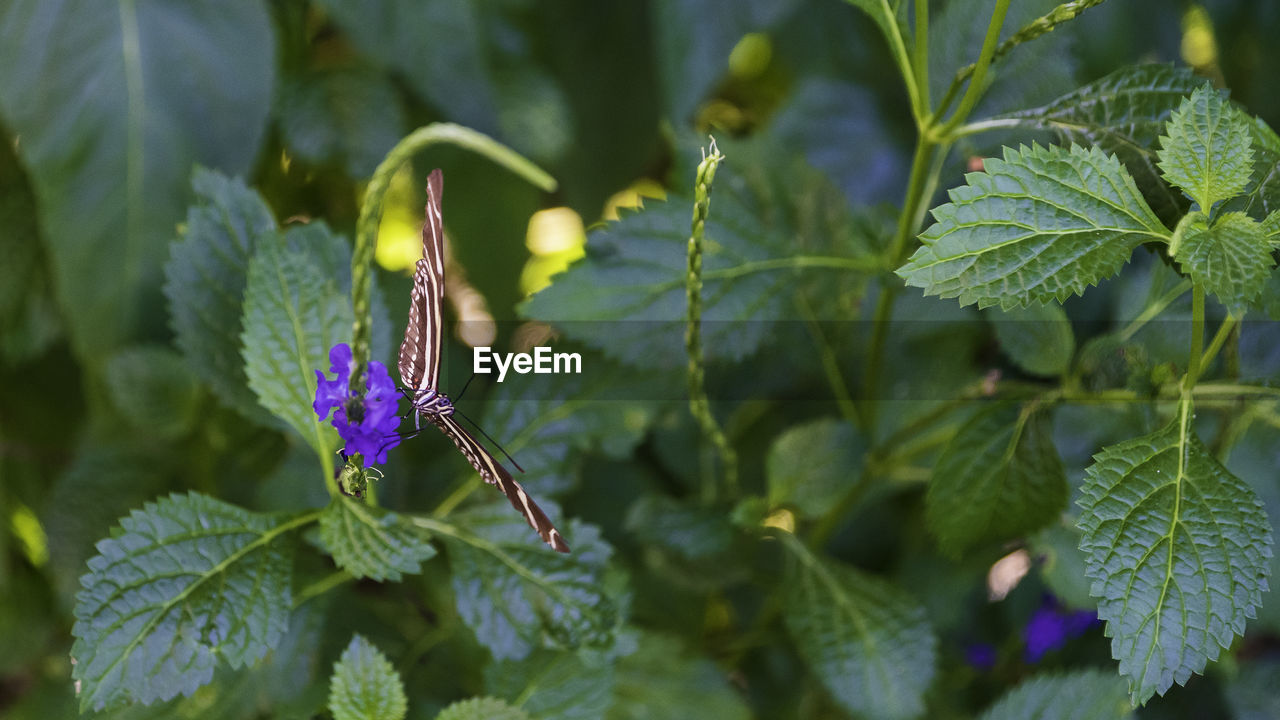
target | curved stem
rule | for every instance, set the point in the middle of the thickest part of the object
(371, 215)
(977, 83)
(1197, 338)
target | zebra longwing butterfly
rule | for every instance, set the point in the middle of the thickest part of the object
(420, 368)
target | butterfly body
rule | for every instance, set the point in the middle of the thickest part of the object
(420, 370)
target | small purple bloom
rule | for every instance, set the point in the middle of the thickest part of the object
(376, 433)
(980, 655)
(1051, 626)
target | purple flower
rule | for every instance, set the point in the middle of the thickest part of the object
(980, 655)
(375, 434)
(1051, 626)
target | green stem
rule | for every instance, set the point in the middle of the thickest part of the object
(831, 367)
(321, 586)
(977, 83)
(923, 168)
(898, 48)
(921, 55)
(1219, 338)
(1032, 30)
(1153, 310)
(371, 216)
(699, 405)
(1197, 338)
(795, 262)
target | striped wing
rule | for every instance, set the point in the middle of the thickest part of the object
(495, 474)
(420, 351)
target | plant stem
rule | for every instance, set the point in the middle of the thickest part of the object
(831, 367)
(1219, 338)
(699, 405)
(922, 168)
(1197, 338)
(977, 83)
(921, 54)
(1153, 310)
(371, 216)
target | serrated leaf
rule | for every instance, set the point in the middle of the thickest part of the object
(1124, 114)
(371, 542)
(365, 686)
(293, 314)
(179, 583)
(1261, 198)
(1207, 150)
(205, 281)
(811, 466)
(1042, 224)
(686, 543)
(1231, 258)
(867, 641)
(154, 390)
(324, 116)
(518, 596)
(1177, 549)
(92, 93)
(1000, 477)
(662, 679)
(1037, 338)
(627, 296)
(1078, 695)
(554, 685)
(483, 708)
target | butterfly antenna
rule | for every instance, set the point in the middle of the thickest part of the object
(464, 389)
(489, 438)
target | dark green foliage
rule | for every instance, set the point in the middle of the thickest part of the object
(948, 367)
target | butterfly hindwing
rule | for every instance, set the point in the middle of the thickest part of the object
(495, 474)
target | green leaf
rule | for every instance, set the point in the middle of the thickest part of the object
(28, 315)
(365, 686)
(662, 679)
(93, 93)
(1261, 198)
(1123, 114)
(554, 685)
(1042, 224)
(1037, 338)
(453, 74)
(325, 117)
(1231, 259)
(371, 542)
(483, 708)
(867, 641)
(1177, 549)
(1078, 695)
(183, 581)
(811, 466)
(1207, 150)
(1000, 477)
(293, 314)
(154, 390)
(517, 595)
(548, 422)
(627, 296)
(205, 281)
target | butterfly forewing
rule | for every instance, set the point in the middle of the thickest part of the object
(420, 351)
(495, 474)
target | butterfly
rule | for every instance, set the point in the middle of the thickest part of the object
(420, 369)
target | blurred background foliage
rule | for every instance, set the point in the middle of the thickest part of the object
(107, 108)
